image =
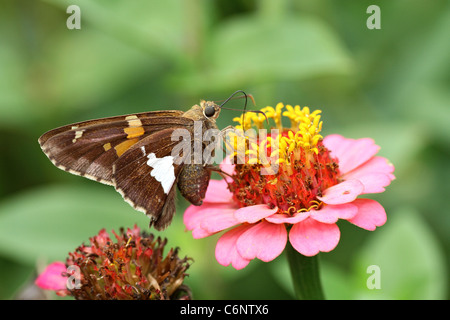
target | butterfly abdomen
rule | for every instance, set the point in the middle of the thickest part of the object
(193, 182)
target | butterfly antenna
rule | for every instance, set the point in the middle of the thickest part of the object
(231, 97)
(246, 96)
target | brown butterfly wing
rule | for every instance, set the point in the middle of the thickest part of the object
(108, 120)
(146, 176)
(90, 148)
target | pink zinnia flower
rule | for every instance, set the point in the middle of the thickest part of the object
(317, 183)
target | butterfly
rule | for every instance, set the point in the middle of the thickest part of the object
(134, 153)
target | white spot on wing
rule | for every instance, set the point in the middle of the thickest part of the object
(143, 150)
(163, 170)
(78, 135)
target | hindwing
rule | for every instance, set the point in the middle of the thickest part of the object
(146, 176)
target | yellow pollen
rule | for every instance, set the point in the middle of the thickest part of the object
(245, 122)
(304, 133)
(129, 240)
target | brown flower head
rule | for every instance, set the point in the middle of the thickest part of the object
(131, 268)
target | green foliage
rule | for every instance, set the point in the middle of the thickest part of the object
(411, 261)
(131, 56)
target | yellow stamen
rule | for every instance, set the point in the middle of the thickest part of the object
(304, 134)
(129, 240)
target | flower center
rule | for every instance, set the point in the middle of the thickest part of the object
(288, 168)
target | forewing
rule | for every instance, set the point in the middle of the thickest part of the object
(84, 124)
(90, 148)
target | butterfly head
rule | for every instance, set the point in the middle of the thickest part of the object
(210, 109)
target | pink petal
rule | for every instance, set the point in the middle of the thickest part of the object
(309, 237)
(226, 251)
(351, 153)
(218, 192)
(336, 143)
(332, 213)
(279, 218)
(375, 182)
(370, 214)
(219, 221)
(195, 214)
(375, 164)
(343, 192)
(263, 240)
(252, 214)
(374, 174)
(227, 167)
(196, 217)
(51, 278)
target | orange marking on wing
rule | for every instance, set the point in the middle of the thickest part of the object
(134, 132)
(107, 146)
(124, 146)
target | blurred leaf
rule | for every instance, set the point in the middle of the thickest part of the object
(415, 62)
(49, 222)
(251, 50)
(12, 276)
(13, 101)
(409, 257)
(155, 27)
(431, 105)
(335, 282)
(93, 65)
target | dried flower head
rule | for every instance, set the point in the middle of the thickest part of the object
(131, 268)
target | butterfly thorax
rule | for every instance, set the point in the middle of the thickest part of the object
(199, 113)
(194, 178)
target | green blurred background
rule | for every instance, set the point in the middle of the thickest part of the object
(390, 84)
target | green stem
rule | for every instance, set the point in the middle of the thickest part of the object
(305, 275)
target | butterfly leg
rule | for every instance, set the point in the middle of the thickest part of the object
(235, 142)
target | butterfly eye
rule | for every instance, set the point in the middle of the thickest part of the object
(210, 111)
